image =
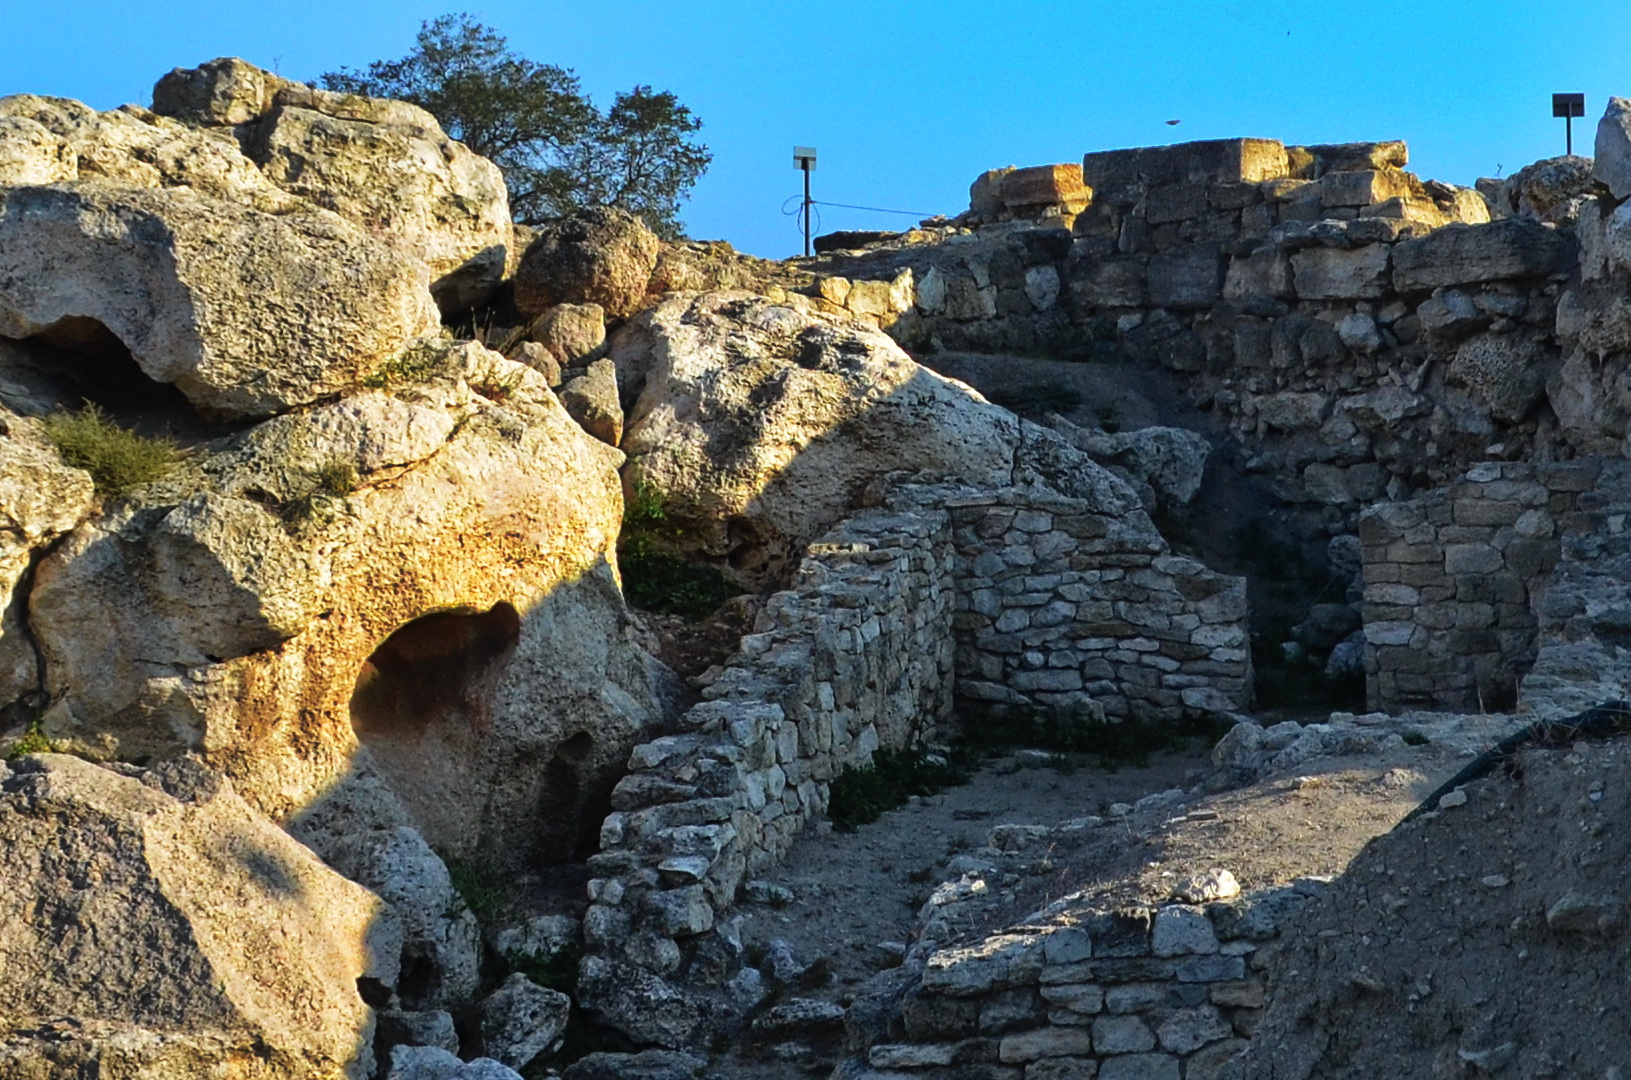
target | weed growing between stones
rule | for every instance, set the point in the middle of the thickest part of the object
(331, 481)
(420, 362)
(118, 460)
(480, 887)
(33, 741)
(654, 580)
(556, 972)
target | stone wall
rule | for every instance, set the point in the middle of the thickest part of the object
(855, 657)
(1062, 607)
(1016, 597)
(1583, 614)
(1367, 334)
(1137, 993)
(1452, 581)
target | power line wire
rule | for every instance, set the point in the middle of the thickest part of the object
(874, 209)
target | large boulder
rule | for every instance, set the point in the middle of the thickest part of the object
(1170, 460)
(1469, 254)
(1588, 391)
(187, 936)
(384, 165)
(760, 424)
(601, 255)
(248, 313)
(441, 942)
(40, 499)
(373, 613)
(1550, 189)
(1611, 160)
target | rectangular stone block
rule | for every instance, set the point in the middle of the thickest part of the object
(1266, 272)
(1188, 278)
(1045, 185)
(1337, 274)
(1117, 281)
(1207, 162)
(1467, 254)
(1363, 188)
(1174, 202)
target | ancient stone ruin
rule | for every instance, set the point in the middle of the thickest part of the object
(339, 749)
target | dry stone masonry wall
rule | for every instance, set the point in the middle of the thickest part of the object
(1136, 993)
(1060, 607)
(857, 656)
(1368, 334)
(1451, 580)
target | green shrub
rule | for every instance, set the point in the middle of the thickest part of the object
(670, 586)
(33, 741)
(557, 972)
(480, 887)
(654, 580)
(118, 460)
(858, 796)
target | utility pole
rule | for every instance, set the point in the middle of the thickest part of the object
(805, 158)
(1568, 106)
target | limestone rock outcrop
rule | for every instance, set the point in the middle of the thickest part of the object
(185, 935)
(40, 499)
(247, 313)
(374, 613)
(1611, 160)
(760, 424)
(599, 255)
(384, 165)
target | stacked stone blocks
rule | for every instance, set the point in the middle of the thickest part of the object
(857, 655)
(1060, 607)
(1137, 993)
(1451, 581)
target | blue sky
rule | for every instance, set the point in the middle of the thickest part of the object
(908, 102)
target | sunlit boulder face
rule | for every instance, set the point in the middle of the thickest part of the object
(383, 165)
(759, 424)
(380, 611)
(185, 935)
(258, 243)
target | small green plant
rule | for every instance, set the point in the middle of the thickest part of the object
(336, 478)
(117, 459)
(33, 741)
(555, 972)
(420, 362)
(333, 479)
(654, 580)
(480, 887)
(859, 796)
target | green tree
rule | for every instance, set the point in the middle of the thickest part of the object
(558, 151)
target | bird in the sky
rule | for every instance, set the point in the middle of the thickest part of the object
(1173, 123)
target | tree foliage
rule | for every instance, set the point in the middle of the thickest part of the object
(558, 150)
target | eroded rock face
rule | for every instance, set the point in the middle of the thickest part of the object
(378, 612)
(601, 255)
(384, 165)
(40, 499)
(188, 936)
(247, 313)
(760, 424)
